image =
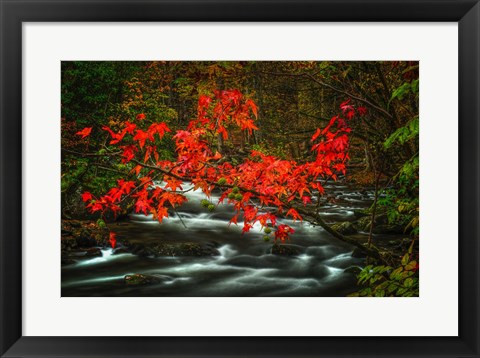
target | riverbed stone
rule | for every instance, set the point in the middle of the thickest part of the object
(138, 279)
(67, 261)
(359, 254)
(286, 250)
(93, 252)
(71, 256)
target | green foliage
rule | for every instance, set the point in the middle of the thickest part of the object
(101, 224)
(80, 172)
(90, 89)
(406, 88)
(410, 169)
(400, 201)
(401, 211)
(403, 134)
(386, 281)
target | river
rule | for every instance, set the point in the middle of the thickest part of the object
(245, 265)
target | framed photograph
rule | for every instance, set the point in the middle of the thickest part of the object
(239, 179)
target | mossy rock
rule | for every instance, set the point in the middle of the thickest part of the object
(381, 221)
(363, 224)
(191, 249)
(345, 228)
(85, 234)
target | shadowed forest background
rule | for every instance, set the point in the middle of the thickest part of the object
(355, 233)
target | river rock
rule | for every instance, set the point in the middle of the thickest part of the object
(381, 219)
(86, 238)
(68, 243)
(70, 257)
(135, 248)
(388, 229)
(359, 254)
(286, 250)
(93, 252)
(345, 228)
(67, 261)
(185, 249)
(83, 234)
(138, 279)
(363, 224)
(359, 213)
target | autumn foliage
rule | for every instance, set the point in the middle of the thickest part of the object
(261, 181)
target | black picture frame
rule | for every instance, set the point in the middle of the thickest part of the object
(15, 12)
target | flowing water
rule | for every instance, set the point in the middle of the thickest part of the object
(245, 266)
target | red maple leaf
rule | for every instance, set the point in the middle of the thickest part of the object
(263, 218)
(160, 128)
(142, 206)
(86, 196)
(247, 124)
(142, 136)
(161, 213)
(128, 153)
(283, 232)
(294, 214)
(362, 111)
(85, 132)
(346, 106)
(306, 200)
(173, 183)
(233, 220)
(246, 227)
(116, 137)
(316, 134)
(113, 239)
